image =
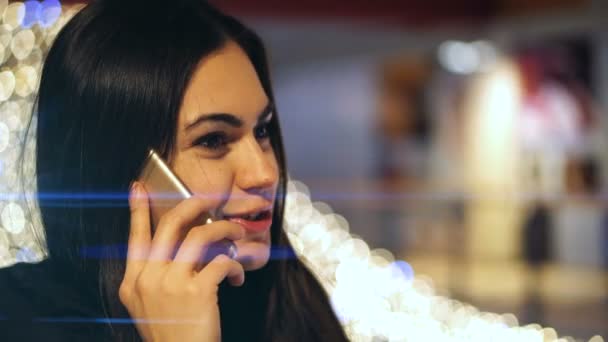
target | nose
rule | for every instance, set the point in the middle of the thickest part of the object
(258, 169)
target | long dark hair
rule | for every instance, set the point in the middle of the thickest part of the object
(111, 88)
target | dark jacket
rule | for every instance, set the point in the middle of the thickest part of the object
(34, 307)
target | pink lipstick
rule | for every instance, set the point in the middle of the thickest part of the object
(254, 223)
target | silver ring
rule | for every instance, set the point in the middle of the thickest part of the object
(232, 252)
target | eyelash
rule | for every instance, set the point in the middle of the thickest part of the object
(218, 140)
(262, 131)
(212, 141)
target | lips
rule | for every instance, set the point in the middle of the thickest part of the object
(253, 222)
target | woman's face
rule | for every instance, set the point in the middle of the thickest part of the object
(223, 149)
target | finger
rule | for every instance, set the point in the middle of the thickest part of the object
(173, 225)
(200, 239)
(140, 235)
(220, 268)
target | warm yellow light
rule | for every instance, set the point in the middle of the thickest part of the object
(492, 109)
(26, 80)
(13, 15)
(22, 44)
(7, 84)
(491, 164)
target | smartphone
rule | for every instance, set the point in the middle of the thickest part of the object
(165, 190)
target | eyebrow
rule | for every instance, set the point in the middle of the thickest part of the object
(228, 118)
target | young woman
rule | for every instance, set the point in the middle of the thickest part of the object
(180, 77)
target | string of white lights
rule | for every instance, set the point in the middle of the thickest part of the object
(376, 297)
(380, 299)
(26, 31)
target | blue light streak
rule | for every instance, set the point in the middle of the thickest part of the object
(120, 252)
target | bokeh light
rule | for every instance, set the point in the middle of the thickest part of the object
(49, 12)
(4, 136)
(7, 84)
(391, 302)
(14, 15)
(26, 78)
(22, 44)
(13, 219)
(32, 13)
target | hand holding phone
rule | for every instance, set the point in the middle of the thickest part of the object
(165, 191)
(160, 286)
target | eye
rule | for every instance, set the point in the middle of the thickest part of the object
(262, 131)
(212, 141)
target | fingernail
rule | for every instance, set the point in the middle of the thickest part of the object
(135, 189)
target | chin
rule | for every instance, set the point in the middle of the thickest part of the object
(253, 252)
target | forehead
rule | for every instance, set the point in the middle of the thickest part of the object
(224, 82)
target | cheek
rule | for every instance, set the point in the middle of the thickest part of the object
(206, 178)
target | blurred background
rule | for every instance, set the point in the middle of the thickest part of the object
(468, 137)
